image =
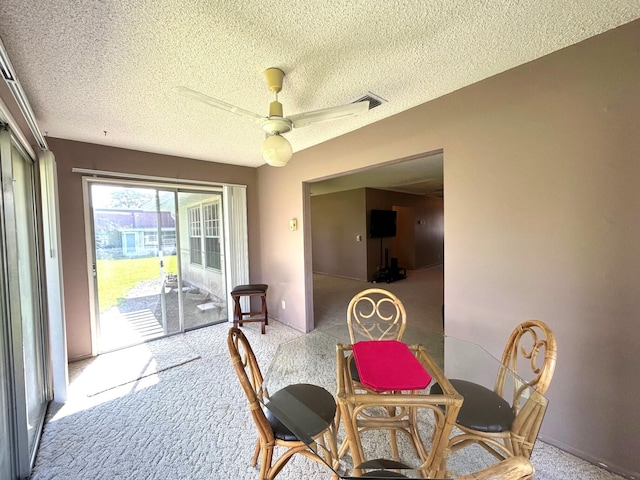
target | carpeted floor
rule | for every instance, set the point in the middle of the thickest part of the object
(421, 294)
(187, 417)
(111, 370)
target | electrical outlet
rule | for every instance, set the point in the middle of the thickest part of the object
(284, 306)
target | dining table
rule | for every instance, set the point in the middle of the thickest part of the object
(419, 423)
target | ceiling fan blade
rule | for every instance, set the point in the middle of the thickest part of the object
(201, 97)
(331, 113)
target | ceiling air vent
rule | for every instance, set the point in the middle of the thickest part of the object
(374, 100)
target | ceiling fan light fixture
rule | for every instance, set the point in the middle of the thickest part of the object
(276, 151)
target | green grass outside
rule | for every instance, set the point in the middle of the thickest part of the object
(117, 277)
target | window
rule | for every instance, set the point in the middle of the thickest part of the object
(151, 242)
(211, 235)
(169, 239)
(195, 236)
(150, 239)
(204, 232)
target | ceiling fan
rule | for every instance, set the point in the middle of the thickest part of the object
(276, 150)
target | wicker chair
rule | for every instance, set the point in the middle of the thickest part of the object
(271, 432)
(486, 418)
(376, 314)
(514, 468)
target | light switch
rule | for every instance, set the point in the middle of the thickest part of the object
(293, 224)
(358, 238)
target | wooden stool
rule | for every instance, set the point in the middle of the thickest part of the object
(258, 289)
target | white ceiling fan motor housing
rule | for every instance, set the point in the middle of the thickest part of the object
(276, 125)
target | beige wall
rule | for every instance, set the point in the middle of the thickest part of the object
(425, 245)
(70, 155)
(541, 218)
(337, 219)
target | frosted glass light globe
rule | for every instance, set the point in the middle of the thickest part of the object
(276, 151)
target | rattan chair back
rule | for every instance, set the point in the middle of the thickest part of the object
(376, 314)
(531, 352)
(248, 371)
(514, 468)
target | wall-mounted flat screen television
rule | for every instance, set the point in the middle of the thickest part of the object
(383, 223)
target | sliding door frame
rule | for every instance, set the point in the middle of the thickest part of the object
(234, 216)
(23, 448)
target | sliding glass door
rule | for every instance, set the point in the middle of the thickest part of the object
(134, 245)
(202, 266)
(24, 384)
(7, 445)
(29, 286)
(158, 265)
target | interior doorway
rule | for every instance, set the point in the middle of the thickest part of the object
(344, 232)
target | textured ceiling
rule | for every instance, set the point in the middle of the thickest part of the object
(418, 176)
(90, 67)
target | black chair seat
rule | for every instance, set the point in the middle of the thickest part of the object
(382, 465)
(255, 288)
(279, 430)
(294, 402)
(353, 369)
(377, 474)
(483, 409)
